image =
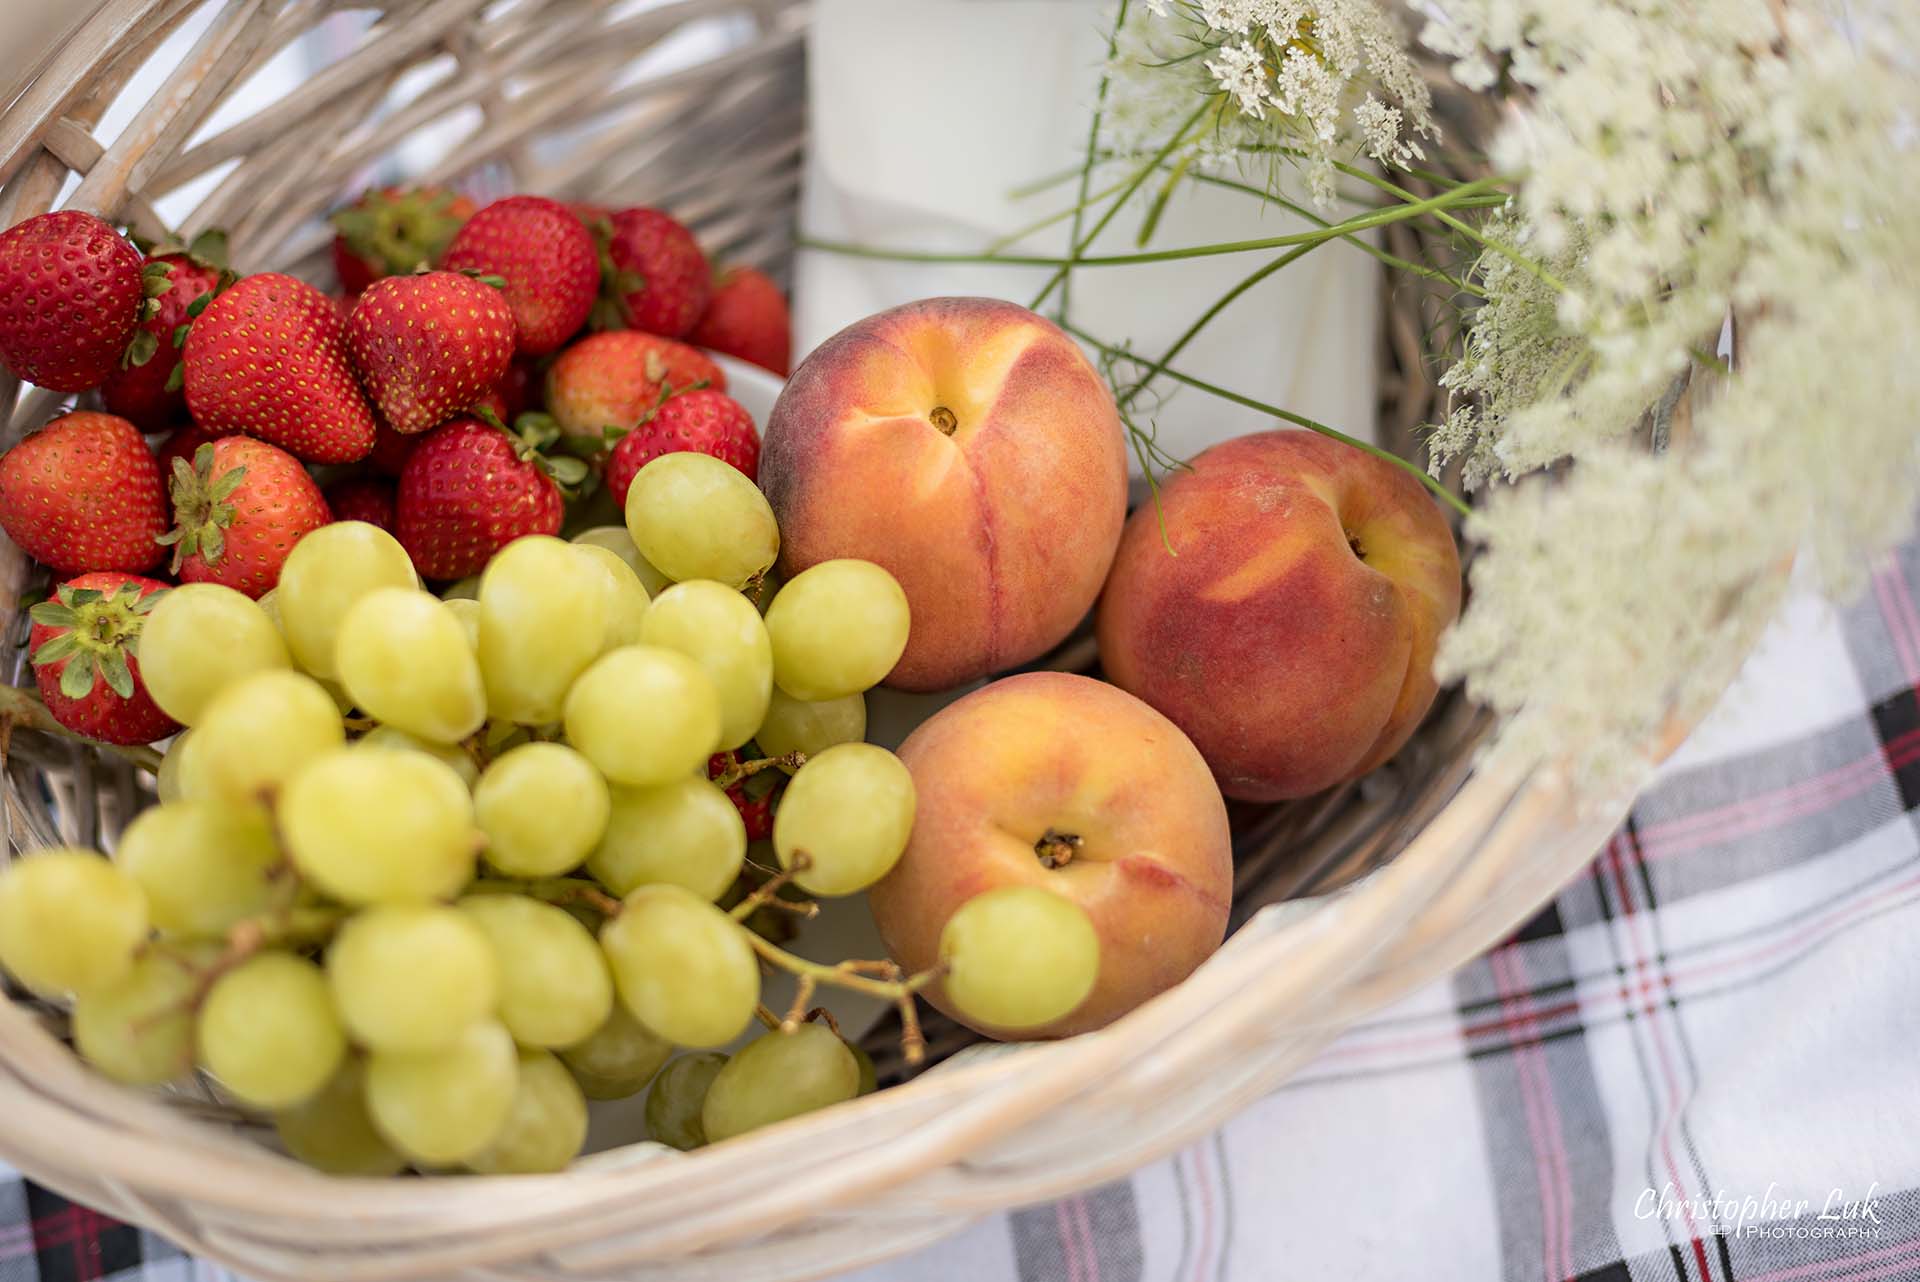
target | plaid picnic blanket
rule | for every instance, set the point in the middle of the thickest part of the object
(1700, 1062)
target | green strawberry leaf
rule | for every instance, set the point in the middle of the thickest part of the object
(142, 349)
(76, 679)
(180, 333)
(56, 649)
(210, 247)
(156, 279)
(145, 604)
(228, 482)
(486, 415)
(199, 304)
(177, 378)
(53, 614)
(113, 666)
(81, 596)
(567, 470)
(212, 544)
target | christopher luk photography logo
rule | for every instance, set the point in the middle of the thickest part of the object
(1838, 1214)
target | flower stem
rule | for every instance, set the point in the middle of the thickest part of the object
(1093, 145)
(1499, 247)
(1300, 420)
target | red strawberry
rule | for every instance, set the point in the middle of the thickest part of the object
(522, 388)
(84, 493)
(238, 510)
(183, 444)
(84, 647)
(469, 489)
(753, 796)
(546, 256)
(429, 346)
(394, 230)
(72, 291)
(747, 317)
(268, 358)
(653, 275)
(362, 498)
(390, 451)
(704, 422)
(612, 380)
(146, 389)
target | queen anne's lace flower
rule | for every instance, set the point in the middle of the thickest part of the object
(1242, 73)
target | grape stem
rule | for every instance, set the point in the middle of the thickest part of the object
(739, 770)
(896, 986)
(23, 708)
(552, 890)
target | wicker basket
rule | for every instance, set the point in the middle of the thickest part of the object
(1435, 857)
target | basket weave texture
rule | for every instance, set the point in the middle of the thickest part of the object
(1437, 856)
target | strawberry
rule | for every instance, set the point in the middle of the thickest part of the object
(85, 644)
(546, 256)
(752, 796)
(612, 380)
(146, 390)
(470, 488)
(268, 357)
(653, 276)
(183, 444)
(522, 388)
(72, 293)
(705, 422)
(84, 493)
(390, 451)
(747, 317)
(391, 231)
(238, 510)
(362, 498)
(589, 213)
(428, 346)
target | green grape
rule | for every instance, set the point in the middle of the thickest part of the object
(686, 833)
(837, 628)
(696, 517)
(554, 986)
(542, 807)
(412, 977)
(204, 865)
(257, 733)
(451, 755)
(627, 602)
(404, 658)
(269, 603)
(792, 725)
(327, 571)
(166, 780)
(467, 589)
(644, 715)
(543, 618)
(268, 1031)
(869, 1076)
(70, 922)
(678, 1095)
(445, 1106)
(851, 810)
(546, 1124)
(139, 1029)
(777, 1076)
(467, 610)
(201, 638)
(333, 1132)
(616, 540)
(720, 630)
(683, 967)
(1019, 957)
(618, 1060)
(371, 826)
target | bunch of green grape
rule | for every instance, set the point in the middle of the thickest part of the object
(428, 873)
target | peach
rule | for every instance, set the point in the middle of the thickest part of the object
(1291, 631)
(968, 446)
(1066, 783)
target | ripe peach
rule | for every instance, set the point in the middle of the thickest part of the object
(1291, 634)
(968, 446)
(1065, 783)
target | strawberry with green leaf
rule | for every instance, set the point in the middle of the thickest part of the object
(238, 510)
(73, 292)
(146, 388)
(470, 488)
(85, 649)
(391, 231)
(429, 345)
(653, 276)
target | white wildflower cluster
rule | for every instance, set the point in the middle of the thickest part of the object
(1688, 169)
(1324, 81)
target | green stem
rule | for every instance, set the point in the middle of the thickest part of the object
(1093, 145)
(841, 975)
(1015, 237)
(1501, 248)
(1287, 415)
(24, 709)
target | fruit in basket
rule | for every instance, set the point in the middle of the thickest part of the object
(542, 808)
(183, 444)
(644, 685)
(268, 1032)
(544, 612)
(375, 826)
(362, 498)
(703, 421)
(554, 986)
(546, 1125)
(200, 638)
(238, 509)
(412, 977)
(203, 865)
(268, 358)
(678, 1098)
(967, 446)
(696, 517)
(682, 967)
(794, 725)
(257, 733)
(72, 291)
(628, 602)
(147, 392)
(404, 658)
(324, 574)
(613, 380)
(445, 1106)
(391, 231)
(83, 648)
(653, 276)
(718, 629)
(333, 1132)
(1019, 957)
(844, 819)
(70, 922)
(685, 832)
(84, 493)
(837, 628)
(1070, 786)
(1292, 636)
(747, 317)
(138, 1030)
(776, 1076)
(618, 1060)
(615, 539)
(390, 453)
(428, 346)
(546, 256)
(470, 489)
